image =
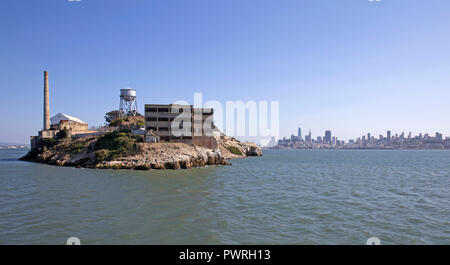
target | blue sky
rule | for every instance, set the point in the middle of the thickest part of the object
(352, 66)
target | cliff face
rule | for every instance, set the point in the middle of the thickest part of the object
(121, 151)
(166, 156)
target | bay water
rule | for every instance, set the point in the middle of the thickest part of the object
(284, 197)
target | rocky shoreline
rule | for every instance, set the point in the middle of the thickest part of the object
(84, 153)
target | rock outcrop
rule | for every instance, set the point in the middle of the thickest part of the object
(232, 148)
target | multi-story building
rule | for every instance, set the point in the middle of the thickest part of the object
(195, 125)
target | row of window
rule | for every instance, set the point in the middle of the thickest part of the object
(165, 129)
(158, 119)
(171, 119)
(205, 111)
(160, 110)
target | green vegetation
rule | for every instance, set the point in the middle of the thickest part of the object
(101, 155)
(115, 122)
(77, 147)
(115, 144)
(118, 121)
(111, 116)
(140, 123)
(234, 150)
(50, 143)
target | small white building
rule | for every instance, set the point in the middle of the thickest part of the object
(151, 137)
(73, 125)
(64, 117)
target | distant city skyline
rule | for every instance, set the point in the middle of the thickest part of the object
(349, 67)
(368, 141)
(387, 134)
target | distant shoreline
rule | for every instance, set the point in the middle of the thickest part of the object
(14, 147)
(390, 149)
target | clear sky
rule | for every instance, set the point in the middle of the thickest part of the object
(352, 66)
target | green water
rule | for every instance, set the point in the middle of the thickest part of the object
(285, 197)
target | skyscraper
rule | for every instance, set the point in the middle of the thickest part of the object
(389, 136)
(299, 133)
(327, 137)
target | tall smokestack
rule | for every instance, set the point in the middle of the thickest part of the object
(46, 103)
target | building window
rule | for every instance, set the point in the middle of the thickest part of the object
(151, 109)
(150, 119)
(164, 129)
(163, 110)
(163, 119)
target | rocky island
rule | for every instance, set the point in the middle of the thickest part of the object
(132, 141)
(121, 149)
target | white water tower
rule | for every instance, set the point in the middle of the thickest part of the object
(128, 102)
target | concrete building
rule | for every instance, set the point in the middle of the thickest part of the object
(196, 128)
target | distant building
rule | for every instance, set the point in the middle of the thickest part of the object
(299, 134)
(389, 136)
(293, 138)
(327, 138)
(307, 138)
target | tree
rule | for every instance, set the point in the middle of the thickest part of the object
(111, 116)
